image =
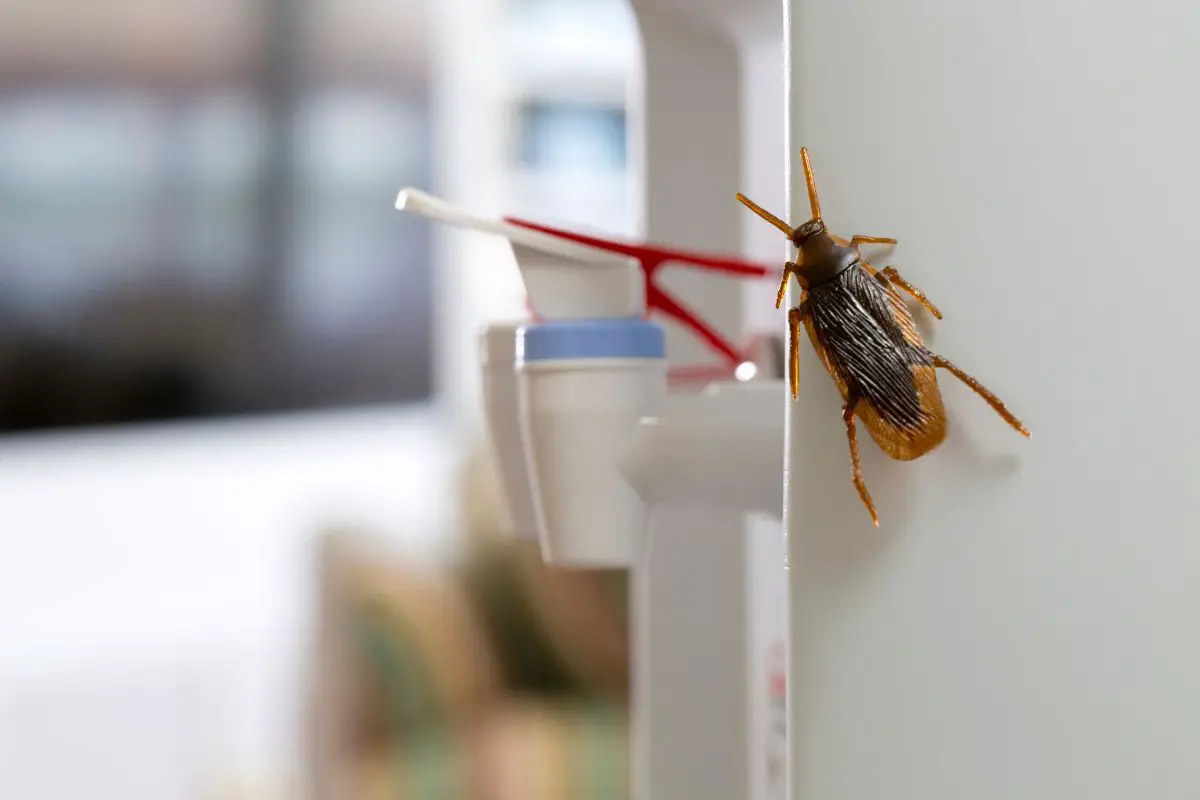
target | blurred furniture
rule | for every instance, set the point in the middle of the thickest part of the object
(224, 170)
(493, 677)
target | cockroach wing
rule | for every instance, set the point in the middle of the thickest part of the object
(865, 337)
(903, 443)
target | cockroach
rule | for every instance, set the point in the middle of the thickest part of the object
(865, 336)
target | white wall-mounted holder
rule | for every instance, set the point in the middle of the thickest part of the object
(579, 414)
(595, 444)
(1023, 623)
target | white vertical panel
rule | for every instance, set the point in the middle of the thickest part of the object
(764, 180)
(1023, 625)
(690, 685)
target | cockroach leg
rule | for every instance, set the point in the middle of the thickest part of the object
(856, 466)
(860, 240)
(876, 274)
(983, 392)
(795, 319)
(789, 269)
(857, 240)
(892, 275)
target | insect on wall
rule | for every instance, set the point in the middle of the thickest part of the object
(864, 334)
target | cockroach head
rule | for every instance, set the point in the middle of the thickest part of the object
(801, 234)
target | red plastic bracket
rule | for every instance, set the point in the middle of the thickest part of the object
(651, 258)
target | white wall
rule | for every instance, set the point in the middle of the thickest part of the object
(155, 585)
(1023, 624)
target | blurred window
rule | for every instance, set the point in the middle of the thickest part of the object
(196, 211)
(572, 136)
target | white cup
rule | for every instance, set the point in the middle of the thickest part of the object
(577, 417)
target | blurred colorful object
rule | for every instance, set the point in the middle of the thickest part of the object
(494, 677)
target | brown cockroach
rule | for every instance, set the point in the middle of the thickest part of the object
(865, 336)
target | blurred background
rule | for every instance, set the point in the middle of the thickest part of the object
(243, 485)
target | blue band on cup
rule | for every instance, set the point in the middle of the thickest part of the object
(619, 337)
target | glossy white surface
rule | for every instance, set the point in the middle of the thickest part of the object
(1023, 624)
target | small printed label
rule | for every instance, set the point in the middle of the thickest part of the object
(776, 739)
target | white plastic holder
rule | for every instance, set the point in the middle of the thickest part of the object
(663, 452)
(590, 447)
(576, 415)
(587, 445)
(603, 443)
(564, 281)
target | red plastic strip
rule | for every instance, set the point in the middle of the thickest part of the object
(651, 258)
